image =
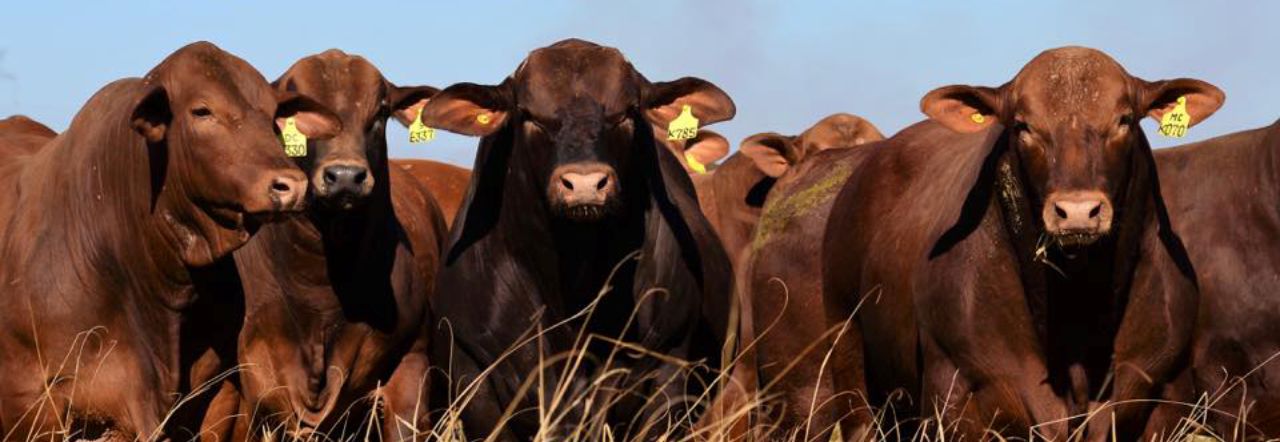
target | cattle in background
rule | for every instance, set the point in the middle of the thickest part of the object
(154, 179)
(796, 178)
(1014, 254)
(570, 184)
(1223, 195)
(446, 182)
(335, 301)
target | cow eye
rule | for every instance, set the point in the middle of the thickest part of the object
(1126, 120)
(201, 112)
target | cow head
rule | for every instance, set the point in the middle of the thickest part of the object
(209, 117)
(576, 108)
(1072, 118)
(342, 169)
(774, 154)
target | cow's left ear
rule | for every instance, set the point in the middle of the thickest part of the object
(468, 109)
(664, 101)
(963, 108)
(406, 101)
(152, 114)
(1203, 99)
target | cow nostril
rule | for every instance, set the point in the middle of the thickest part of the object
(566, 183)
(1058, 210)
(330, 176)
(1096, 210)
(359, 179)
(280, 186)
(603, 182)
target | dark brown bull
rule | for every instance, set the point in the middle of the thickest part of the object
(1014, 254)
(446, 182)
(336, 299)
(1222, 195)
(105, 228)
(570, 183)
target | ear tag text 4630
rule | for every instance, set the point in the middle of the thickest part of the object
(419, 132)
(694, 164)
(295, 143)
(1174, 123)
(684, 126)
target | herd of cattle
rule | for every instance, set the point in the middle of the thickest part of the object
(1020, 264)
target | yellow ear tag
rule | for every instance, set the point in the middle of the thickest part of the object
(483, 119)
(295, 143)
(978, 118)
(684, 126)
(1174, 123)
(419, 132)
(694, 164)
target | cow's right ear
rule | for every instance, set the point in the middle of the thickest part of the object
(468, 109)
(706, 148)
(152, 115)
(664, 101)
(313, 119)
(770, 152)
(964, 109)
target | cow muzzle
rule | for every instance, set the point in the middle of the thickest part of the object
(1077, 218)
(584, 192)
(277, 192)
(342, 185)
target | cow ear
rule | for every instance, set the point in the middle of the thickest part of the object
(838, 131)
(964, 109)
(771, 152)
(1203, 99)
(707, 148)
(665, 100)
(406, 101)
(468, 109)
(152, 114)
(314, 120)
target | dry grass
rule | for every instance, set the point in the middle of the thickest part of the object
(558, 408)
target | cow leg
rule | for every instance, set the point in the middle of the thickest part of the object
(223, 415)
(406, 393)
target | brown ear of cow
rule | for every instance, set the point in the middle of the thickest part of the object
(406, 101)
(1203, 98)
(314, 120)
(769, 151)
(707, 147)
(961, 108)
(709, 103)
(152, 115)
(468, 109)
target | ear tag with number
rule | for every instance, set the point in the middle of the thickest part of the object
(978, 118)
(694, 164)
(295, 143)
(684, 126)
(419, 132)
(1174, 123)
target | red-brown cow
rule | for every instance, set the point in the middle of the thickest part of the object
(1014, 255)
(446, 182)
(106, 226)
(335, 301)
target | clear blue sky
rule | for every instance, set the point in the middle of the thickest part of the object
(786, 63)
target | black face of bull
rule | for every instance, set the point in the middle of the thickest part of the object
(1071, 115)
(575, 107)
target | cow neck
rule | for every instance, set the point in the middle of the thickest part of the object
(1271, 174)
(1077, 299)
(348, 232)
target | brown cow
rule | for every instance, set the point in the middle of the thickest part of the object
(569, 185)
(106, 226)
(1222, 195)
(336, 300)
(446, 182)
(1013, 251)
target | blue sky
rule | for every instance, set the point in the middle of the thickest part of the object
(785, 63)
